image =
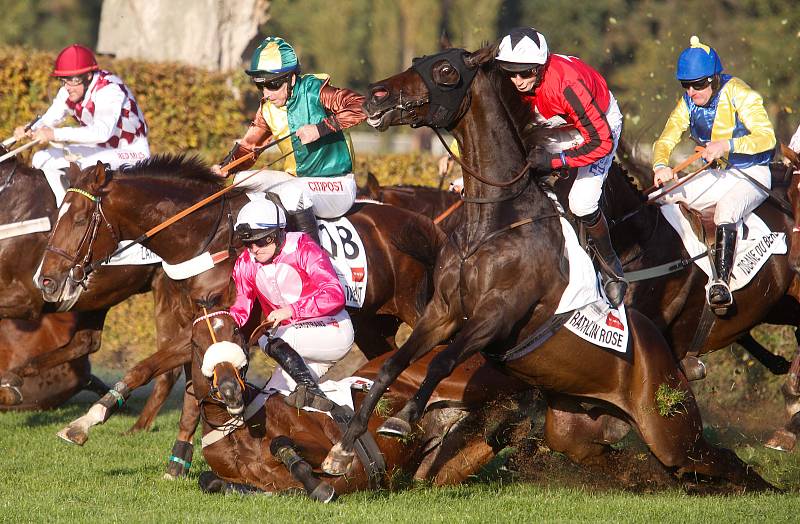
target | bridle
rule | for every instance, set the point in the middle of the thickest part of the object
(80, 269)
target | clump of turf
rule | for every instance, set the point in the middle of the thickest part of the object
(669, 401)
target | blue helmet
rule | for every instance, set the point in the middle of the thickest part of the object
(697, 61)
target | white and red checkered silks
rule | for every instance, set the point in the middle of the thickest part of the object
(112, 130)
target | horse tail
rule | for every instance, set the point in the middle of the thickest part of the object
(422, 240)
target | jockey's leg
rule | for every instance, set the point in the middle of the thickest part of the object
(305, 351)
(583, 198)
(737, 202)
(53, 163)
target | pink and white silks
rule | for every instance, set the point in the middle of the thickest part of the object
(301, 277)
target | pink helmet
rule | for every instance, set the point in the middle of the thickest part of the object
(75, 60)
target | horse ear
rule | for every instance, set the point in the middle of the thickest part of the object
(73, 172)
(100, 173)
(373, 187)
(444, 40)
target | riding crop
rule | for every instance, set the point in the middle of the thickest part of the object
(698, 153)
(18, 150)
(9, 141)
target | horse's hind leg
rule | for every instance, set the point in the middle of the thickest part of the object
(97, 386)
(785, 438)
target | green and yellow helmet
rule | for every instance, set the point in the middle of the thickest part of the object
(274, 57)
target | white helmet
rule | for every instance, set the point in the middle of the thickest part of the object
(522, 48)
(258, 219)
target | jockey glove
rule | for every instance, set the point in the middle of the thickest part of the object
(540, 159)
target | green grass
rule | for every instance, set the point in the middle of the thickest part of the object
(116, 478)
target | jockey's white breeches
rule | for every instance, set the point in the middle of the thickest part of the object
(54, 160)
(320, 341)
(733, 193)
(330, 196)
(588, 187)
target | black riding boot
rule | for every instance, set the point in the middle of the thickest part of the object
(307, 392)
(614, 283)
(719, 294)
(303, 221)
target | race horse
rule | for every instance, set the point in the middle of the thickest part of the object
(44, 354)
(131, 201)
(240, 423)
(500, 277)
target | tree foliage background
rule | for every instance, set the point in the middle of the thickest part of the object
(634, 43)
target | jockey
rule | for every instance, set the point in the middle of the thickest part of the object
(112, 127)
(299, 292)
(316, 178)
(563, 89)
(728, 117)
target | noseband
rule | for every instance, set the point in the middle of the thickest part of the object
(80, 270)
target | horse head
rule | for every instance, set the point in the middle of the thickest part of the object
(219, 362)
(81, 236)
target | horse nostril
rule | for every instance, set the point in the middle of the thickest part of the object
(46, 284)
(379, 93)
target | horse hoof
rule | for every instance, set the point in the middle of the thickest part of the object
(395, 427)
(782, 440)
(167, 476)
(73, 435)
(210, 483)
(10, 395)
(324, 493)
(338, 461)
(693, 368)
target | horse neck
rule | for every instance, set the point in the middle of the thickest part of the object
(490, 145)
(140, 203)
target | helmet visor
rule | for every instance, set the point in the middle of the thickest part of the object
(249, 235)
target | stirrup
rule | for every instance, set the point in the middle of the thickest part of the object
(722, 298)
(304, 396)
(612, 281)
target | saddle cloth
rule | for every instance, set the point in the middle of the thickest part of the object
(348, 256)
(593, 318)
(752, 251)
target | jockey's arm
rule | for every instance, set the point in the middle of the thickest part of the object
(107, 109)
(54, 115)
(750, 110)
(591, 122)
(345, 111)
(328, 295)
(257, 135)
(677, 124)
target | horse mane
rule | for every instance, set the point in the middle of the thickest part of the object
(168, 165)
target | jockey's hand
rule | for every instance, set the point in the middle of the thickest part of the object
(308, 133)
(716, 149)
(21, 132)
(276, 316)
(44, 135)
(662, 175)
(445, 164)
(457, 186)
(217, 170)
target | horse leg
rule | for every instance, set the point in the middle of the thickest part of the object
(282, 448)
(433, 327)
(97, 386)
(180, 459)
(473, 336)
(161, 390)
(784, 439)
(583, 436)
(159, 362)
(776, 364)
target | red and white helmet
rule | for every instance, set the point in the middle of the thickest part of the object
(522, 48)
(75, 60)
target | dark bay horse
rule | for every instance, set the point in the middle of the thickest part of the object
(39, 348)
(135, 199)
(499, 279)
(451, 444)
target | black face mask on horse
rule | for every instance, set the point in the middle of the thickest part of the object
(448, 78)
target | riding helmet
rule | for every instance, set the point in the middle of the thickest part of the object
(274, 57)
(258, 219)
(75, 60)
(697, 61)
(521, 48)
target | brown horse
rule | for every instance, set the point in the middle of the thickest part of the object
(499, 279)
(135, 199)
(450, 445)
(41, 346)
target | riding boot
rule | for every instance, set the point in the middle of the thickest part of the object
(307, 392)
(303, 221)
(719, 294)
(614, 283)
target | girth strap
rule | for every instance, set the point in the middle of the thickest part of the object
(663, 269)
(707, 318)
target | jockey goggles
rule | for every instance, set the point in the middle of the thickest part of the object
(72, 80)
(697, 85)
(271, 85)
(525, 74)
(259, 237)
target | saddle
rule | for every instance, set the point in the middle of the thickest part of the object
(702, 223)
